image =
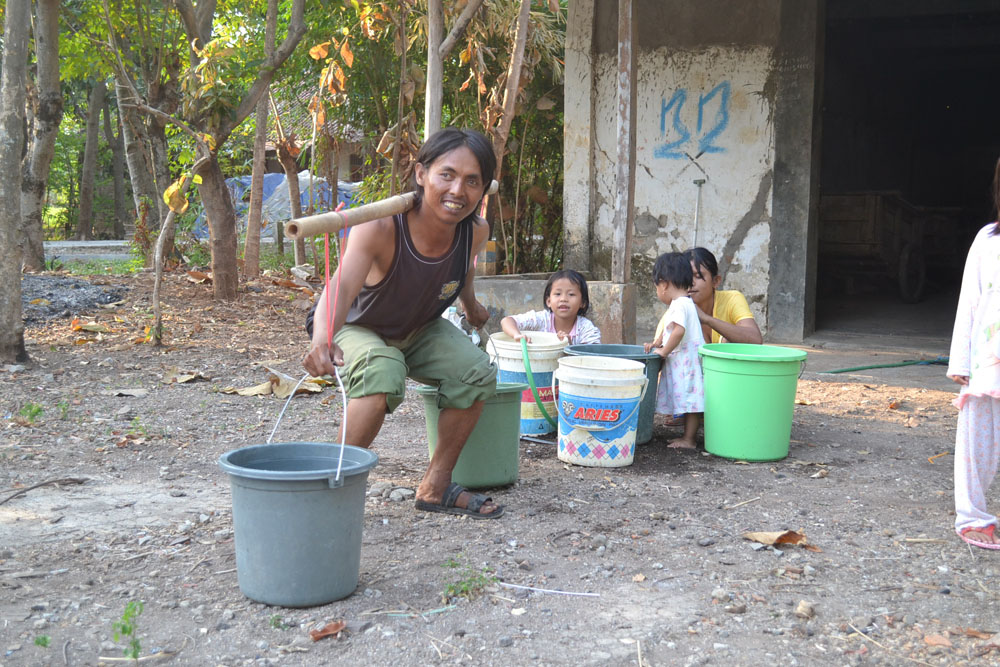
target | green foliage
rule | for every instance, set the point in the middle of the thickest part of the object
(63, 407)
(277, 622)
(193, 251)
(43, 641)
(127, 628)
(31, 412)
(471, 581)
(137, 428)
(272, 260)
(107, 267)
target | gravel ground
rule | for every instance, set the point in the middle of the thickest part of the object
(643, 565)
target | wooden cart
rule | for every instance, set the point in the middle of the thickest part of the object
(871, 234)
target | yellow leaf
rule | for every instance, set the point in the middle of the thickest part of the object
(174, 198)
(319, 51)
(341, 77)
(263, 389)
(320, 115)
(196, 179)
(282, 384)
(347, 54)
(174, 375)
(466, 55)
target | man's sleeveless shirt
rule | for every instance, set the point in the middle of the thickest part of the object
(416, 288)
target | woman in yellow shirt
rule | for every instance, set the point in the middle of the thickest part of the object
(730, 320)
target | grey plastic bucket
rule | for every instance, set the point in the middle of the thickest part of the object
(652, 361)
(297, 528)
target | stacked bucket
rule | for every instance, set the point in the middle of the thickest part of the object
(592, 401)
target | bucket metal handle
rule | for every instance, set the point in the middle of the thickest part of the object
(337, 481)
(642, 395)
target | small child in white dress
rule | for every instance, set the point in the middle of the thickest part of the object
(566, 302)
(681, 388)
(974, 363)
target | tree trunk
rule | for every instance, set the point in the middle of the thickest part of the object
(438, 48)
(396, 145)
(251, 251)
(12, 99)
(513, 85)
(222, 229)
(435, 69)
(140, 170)
(214, 194)
(35, 175)
(85, 222)
(117, 169)
(160, 158)
(291, 168)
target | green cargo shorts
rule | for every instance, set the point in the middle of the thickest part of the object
(437, 354)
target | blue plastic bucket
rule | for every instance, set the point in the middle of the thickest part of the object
(599, 401)
(652, 361)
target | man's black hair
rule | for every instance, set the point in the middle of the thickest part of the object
(447, 140)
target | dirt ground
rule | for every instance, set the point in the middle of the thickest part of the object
(144, 513)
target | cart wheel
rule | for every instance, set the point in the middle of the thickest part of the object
(912, 274)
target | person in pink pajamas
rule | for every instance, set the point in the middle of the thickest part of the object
(974, 363)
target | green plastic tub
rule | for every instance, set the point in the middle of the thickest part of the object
(749, 399)
(490, 456)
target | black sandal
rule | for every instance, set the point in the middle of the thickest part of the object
(447, 504)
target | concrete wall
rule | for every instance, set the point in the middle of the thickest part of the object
(612, 305)
(710, 78)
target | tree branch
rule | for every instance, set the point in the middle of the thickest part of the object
(153, 111)
(186, 10)
(197, 22)
(458, 29)
(296, 29)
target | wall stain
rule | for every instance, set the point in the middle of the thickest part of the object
(756, 214)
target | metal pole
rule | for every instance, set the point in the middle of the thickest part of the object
(697, 210)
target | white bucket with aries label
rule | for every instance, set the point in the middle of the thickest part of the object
(598, 406)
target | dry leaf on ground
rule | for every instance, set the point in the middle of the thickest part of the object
(174, 374)
(780, 537)
(333, 628)
(937, 640)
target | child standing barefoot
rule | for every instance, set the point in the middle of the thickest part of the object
(974, 363)
(566, 302)
(681, 389)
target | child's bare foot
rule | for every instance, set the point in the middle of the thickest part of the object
(681, 443)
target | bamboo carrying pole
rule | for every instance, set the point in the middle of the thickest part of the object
(332, 222)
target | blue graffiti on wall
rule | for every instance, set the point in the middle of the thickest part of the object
(707, 131)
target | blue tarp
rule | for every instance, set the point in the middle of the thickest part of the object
(276, 203)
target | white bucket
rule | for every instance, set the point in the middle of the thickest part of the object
(544, 351)
(599, 401)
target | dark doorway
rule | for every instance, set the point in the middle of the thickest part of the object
(910, 141)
